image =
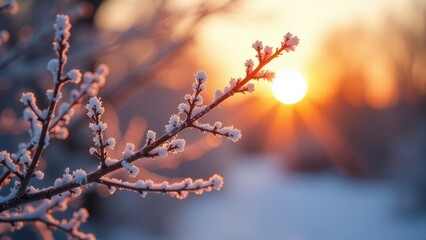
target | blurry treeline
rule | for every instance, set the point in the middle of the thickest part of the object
(370, 82)
(365, 111)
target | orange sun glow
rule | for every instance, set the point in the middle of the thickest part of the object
(289, 86)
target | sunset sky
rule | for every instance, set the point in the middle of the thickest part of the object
(269, 20)
(225, 39)
(308, 19)
(223, 43)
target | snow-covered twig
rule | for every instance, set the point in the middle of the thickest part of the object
(179, 190)
(151, 148)
(56, 67)
(95, 111)
(50, 122)
(43, 213)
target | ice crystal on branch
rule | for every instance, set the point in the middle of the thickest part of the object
(80, 176)
(39, 175)
(177, 145)
(74, 75)
(159, 151)
(150, 137)
(174, 122)
(249, 66)
(95, 111)
(258, 45)
(110, 143)
(290, 42)
(132, 169)
(6, 161)
(129, 150)
(94, 107)
(62, 35)
(53, 67)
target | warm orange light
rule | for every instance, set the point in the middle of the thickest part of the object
(289, 86)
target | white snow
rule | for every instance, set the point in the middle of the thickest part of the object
(66, 178)
(179, 144)
(80, 176)
(62, 28)
(92, 151)
(28, 98)
(201, 76)
(24, 156)
(128, 150)
(53, 67)
(260, 200)
(132, 169)
(74, 75)
(183, 107)
(159, 151)
(39, 175)
(178, 190)
(217, 125)
(94, 107)
(173, 123)
(101, 126)
(111, 143)
(231, 132)
(7, 161)
(150, 135)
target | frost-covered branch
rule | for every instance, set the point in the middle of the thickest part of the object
(56, 67)
(51, 122)
(178, 190)
(176, 125)
(46, 123)
(95, 111)
(43, 213)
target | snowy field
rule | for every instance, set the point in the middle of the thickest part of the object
(261, 201)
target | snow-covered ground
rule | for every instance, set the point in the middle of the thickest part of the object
(261, 201)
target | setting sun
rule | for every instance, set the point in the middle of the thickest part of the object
(289, 86)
